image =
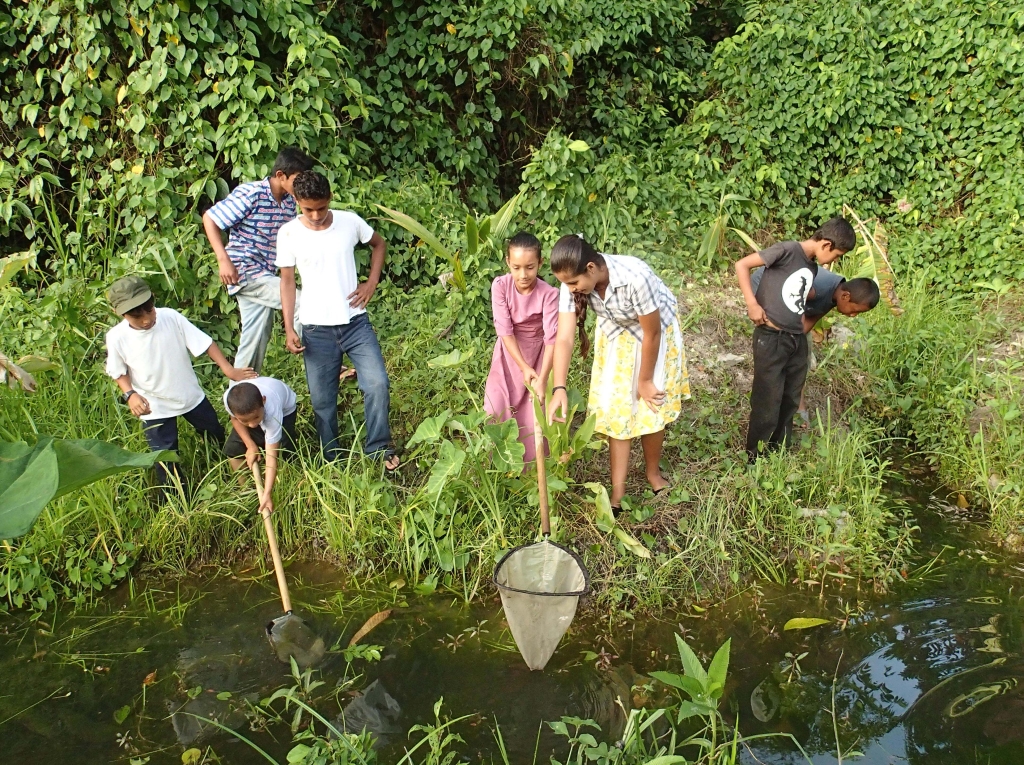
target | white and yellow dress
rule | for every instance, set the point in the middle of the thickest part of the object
(633, 290)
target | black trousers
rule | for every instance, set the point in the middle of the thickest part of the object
(163, 434)
(780, 368)
(235, 447)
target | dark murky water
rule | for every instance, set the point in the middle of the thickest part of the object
(931, 673)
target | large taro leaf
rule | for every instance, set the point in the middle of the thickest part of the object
(30, 476)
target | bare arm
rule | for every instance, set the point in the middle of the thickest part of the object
(565, 340)
(230, 371)
(292, 343)
(267, 501)
(743, 268)
(363, 293)
(137, 403)
(252, 451)
(646, 389)
(512, 346)
(545, 367)
(228, 272)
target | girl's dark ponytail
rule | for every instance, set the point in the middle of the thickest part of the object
(581, 302)
(571, 255)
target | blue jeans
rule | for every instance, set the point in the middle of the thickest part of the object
(257, 303)
(325, 346)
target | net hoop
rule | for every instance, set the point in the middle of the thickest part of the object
(571, 553)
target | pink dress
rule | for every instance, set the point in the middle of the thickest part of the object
(533, 321)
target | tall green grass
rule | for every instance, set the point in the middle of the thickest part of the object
(948, 377)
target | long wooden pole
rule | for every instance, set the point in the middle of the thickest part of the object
(282, 583)
(542, 472)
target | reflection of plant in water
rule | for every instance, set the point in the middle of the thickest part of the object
(452, 642)
(794, 666)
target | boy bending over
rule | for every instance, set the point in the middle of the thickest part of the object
(262, 415)
(148, 357)
(778, 310)
(851, 298)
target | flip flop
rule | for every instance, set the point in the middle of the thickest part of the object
(662, 490)
(805, 418)
(397, 463)
(347, 373)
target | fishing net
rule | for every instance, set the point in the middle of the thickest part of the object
(540, 585)
(292, 638)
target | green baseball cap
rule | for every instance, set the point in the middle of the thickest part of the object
(128, 293)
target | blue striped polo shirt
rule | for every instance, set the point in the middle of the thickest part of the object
(253, 217)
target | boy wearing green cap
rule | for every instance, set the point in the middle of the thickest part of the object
(148, 357)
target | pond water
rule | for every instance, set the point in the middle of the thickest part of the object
(932, 672)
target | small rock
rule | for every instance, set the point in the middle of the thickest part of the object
(729, 359)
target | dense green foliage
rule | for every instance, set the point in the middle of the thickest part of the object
(121, 121)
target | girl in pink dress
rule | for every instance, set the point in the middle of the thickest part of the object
(525, 312)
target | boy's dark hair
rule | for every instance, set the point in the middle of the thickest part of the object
(309, 184)
(571, 255)
(523, 241)
(141, 310)
(839, 232)
(244, 398)
(291, 161)
(862, 291)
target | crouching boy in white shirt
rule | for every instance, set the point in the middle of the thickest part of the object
(148, 355)
(262, 417)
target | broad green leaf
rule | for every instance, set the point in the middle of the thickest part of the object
(631, 543)
(472, 236)
(30, 476)
(121, 714)
(604, 519)
(10, 265)
(452, 359)
(719, 667)
(36, 364)
(507, 455)
(579, 146)
(746, 239)
(298, 753)
(429, 430)
(84, 461)
(447, 467)
(667, 759)
(805, 623)
(688, 709)
(691, 663)
(502, 219)
(417, 229)
(688, 685)
(28, 480)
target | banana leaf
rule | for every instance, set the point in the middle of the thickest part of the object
(32, 475)
(873, 260)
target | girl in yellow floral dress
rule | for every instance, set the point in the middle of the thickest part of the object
(639, 377)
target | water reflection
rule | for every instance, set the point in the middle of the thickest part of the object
(931, 674)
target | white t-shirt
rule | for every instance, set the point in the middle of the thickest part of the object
(279, 403)
(326, 262)
(157, 362)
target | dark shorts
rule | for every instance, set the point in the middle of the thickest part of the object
(235, 447)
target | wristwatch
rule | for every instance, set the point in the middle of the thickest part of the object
(127, 395)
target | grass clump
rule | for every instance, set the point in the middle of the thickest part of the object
(947, 376)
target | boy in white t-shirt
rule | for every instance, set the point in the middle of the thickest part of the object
(320, 245)
(262, 417)
(148, 357)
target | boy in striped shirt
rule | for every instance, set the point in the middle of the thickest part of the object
(253, 214)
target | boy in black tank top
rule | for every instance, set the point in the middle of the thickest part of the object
(777, 310)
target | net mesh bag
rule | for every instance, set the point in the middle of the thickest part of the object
(540, 585)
